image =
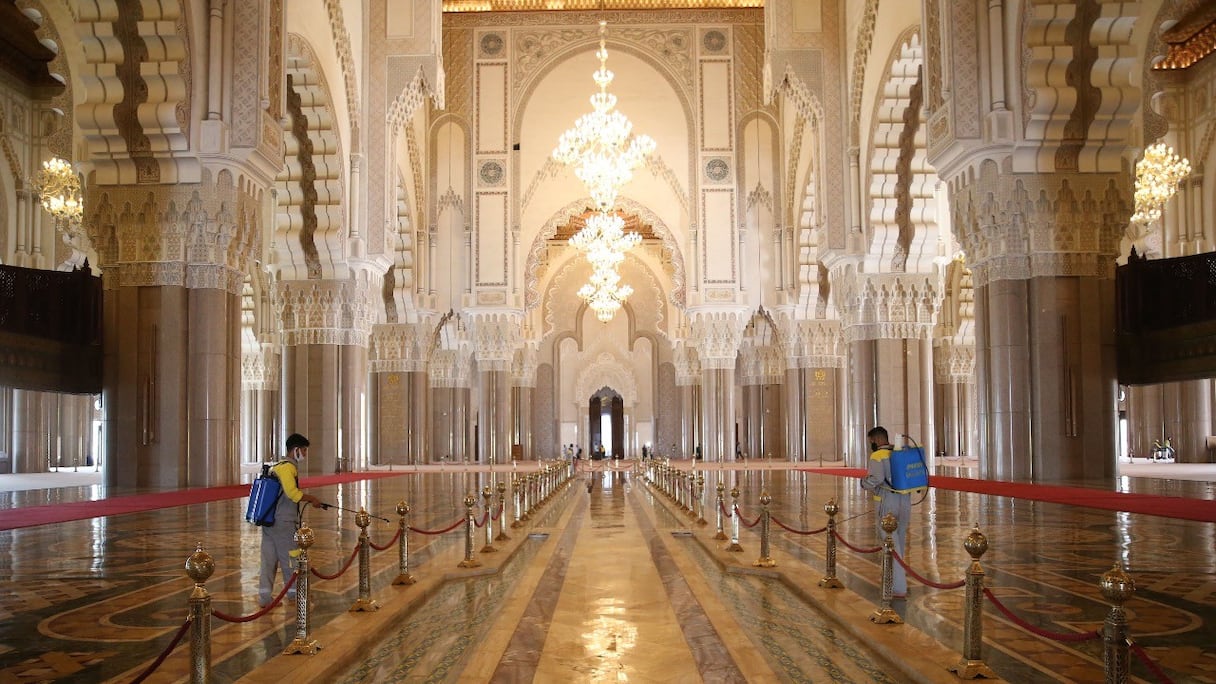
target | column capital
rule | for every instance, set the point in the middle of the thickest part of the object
(401, 347)
(717, 333)
(888, 306)
(953, 363)
(688, 366)
(497, 333)
(326, 311)
(809, 343)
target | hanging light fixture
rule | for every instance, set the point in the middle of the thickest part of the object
(600, 146)
(1158, 174)
(604, 152)
(59, 190)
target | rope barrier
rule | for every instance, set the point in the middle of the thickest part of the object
(445, 530)
(1149, 663)
(498, 513)
(722, 506)
(841, 539)
(484, 518)
(927, 582)
(177, 639)
(743, 521)
(794, 531)
(1057, 636)
(338, 574)
(388, 545)
(291, 581)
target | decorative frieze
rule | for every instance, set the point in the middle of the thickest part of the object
(329, 312)
(400, 347)
(497, 333)
(717, 333)
(953, 363)
(887, 306)
(606, 371)
(450, 368)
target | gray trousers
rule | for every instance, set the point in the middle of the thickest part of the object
(900, 506)
(278, 541)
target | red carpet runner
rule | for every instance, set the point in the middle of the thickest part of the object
(135, 503)
(1203, 510)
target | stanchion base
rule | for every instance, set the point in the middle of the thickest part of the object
(302, 647)
(733, 548)
(502, 536)
(404, 579)
(831, 583)
(886, 616)
(364, 606)
(525, 516)
(702, 522)
(517, 524)
(721, 536)
(489, 548)
(972, 669)
(764, 562)
(469, 563)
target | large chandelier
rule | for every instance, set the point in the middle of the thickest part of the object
(59, 190)
(1157, 177)
(600, 146)
(604, 153)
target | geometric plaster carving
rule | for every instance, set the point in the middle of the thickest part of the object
(606, 371)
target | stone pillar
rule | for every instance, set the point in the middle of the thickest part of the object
(523, 381)
(750, 417)
(260, 404)
(448, 373)
(171, 387)
(30, 432)
(718, 332)
(401, 392)
(325, 365)
(496, 335)
(418, 401)
(1190, 443)
(688, 371)
(795, 412)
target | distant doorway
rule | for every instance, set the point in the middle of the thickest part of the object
(606, 424)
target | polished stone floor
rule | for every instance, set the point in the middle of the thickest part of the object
(611, 582)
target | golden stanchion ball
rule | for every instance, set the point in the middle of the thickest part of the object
(831, 508)
(469, 500)
(721, 488)
(487, 492)
(765, 499)
(362, 519)
(305, 537)
(403, 508)
(200, 566)
(1117, 586)
(976, 543)
(502, 488)
(734, 492)
(889, 523)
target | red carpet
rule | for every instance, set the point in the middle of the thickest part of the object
(135, 503)
(1203, 510)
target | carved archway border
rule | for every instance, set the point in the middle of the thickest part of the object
(533, 265)
(606, 371)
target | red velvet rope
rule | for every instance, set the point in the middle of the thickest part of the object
(387, 545)
(269, 607)
(722, 507)
(1085, 636)
(744, 521)
(445, 530)
(177, 639)
(338, 574)
(876, 549)
(1149, 663)
(484, 517)
(790, 529)
(498, 513)
(925, 581)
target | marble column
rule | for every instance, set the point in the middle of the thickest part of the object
(352, 398)
(1191, 441)
(795, 412)
(718, 414)
(494, 416)
(418, 402)
(213, 386)
(521, 423)
(30, 433)
(683, 449)
(863, 400)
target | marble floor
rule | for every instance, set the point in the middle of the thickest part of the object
(610, 582)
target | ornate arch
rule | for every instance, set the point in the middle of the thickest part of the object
(535, 262)
(902, 228)
(606, 371)
(310, 229)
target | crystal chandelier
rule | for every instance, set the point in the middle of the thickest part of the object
(599, 146)
(604, 153)
(1157, 177)
(59, 190)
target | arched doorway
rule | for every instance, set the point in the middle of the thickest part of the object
(606, 424)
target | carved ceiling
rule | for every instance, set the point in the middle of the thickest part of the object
(1190, 40)
(585, 5)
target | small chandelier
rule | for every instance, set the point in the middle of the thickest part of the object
(604, 295)
(59, 190)
(599, 146)
(1157, 177)
(604, 240)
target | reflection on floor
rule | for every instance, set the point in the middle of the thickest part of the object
(613, 584)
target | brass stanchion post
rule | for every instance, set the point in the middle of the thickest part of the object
(525, 501)
(364, 604)
(517, 508)
(502, 512)
(487, 495)
(302, 644)
(701, 500)
(1117, 587)
(403, 559)
(733, 546)
(765, 560)
(972, 665)
(200, 566)
(721, 534)
(830, 580)
(885, 615)
(469, 561)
